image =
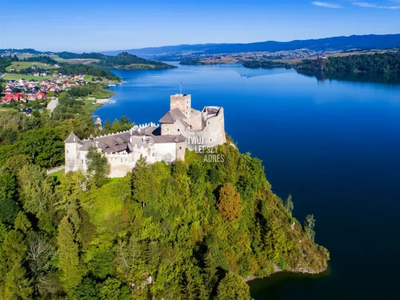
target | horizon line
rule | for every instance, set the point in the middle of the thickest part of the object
(216, 43)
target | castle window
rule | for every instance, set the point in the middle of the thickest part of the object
(210, 140)
(180, 148)
(82, 161)
(178, 129)
(67, 151)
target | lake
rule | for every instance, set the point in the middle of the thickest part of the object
(333, 145)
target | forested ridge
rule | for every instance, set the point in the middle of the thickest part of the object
(123, 61)
(191, 230)
(379, 63)
(64, 68)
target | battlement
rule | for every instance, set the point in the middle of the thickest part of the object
(154, 142)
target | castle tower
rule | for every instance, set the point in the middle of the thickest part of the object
(183, 102)
(71, 153)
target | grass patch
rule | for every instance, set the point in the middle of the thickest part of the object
(3, 109)
(59, 175)
(19, 76)
(101, 94)
(83, 61)
(114, 180)
(88, 78)
(90, 106)
(27, 64)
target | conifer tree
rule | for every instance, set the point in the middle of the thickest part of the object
(68, 260)
(14, 282)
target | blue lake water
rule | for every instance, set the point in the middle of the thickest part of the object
(334, 146)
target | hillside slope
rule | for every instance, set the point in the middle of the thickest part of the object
(325, 44)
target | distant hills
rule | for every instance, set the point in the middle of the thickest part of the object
(340, 43)
(122, 61)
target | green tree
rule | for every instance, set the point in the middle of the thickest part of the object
(143, 185)
(113, 289)
(88, 290)
(116, 126)
(107, 126)
(22, 223)
(125, 120)
(8, 206)
(232, 287)
(14, 282)
(68, 260)
(289, 204)
(14, 164)
(98, 167)
(309, 225)
(43, 146)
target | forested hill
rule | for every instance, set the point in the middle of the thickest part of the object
(123, 61)
(379, 63)
(325, 44)
(191, 230)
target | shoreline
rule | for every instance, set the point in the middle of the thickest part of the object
(278, 270)
(102, 101)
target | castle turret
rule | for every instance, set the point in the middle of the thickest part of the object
(183, 102)
(71, 153)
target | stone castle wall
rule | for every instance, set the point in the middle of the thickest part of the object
(205, 126)
(212, 134)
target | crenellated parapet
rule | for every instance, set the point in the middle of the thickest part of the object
(155, 142)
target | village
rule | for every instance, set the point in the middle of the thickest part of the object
(23, 90)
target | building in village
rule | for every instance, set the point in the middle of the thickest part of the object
(182, 127)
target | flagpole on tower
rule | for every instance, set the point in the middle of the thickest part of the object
(180, 86)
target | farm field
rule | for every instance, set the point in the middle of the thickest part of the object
(27, 64)
(30, 77)
(75, 60)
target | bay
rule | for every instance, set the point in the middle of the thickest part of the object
(333, 145)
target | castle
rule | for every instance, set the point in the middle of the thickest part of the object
(182, 127)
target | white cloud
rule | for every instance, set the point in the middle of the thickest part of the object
(373, 5)
(326, 4)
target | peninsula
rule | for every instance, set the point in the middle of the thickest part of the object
(174, 225)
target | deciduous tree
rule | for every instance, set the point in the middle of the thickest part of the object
(232, 287)
(229, 202)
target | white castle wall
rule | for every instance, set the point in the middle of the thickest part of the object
(121, 163)
(209, 131)
(212, 134)
(173, 129)
(71, 157)
(165, 152)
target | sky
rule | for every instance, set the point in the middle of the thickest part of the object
(98, 25)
